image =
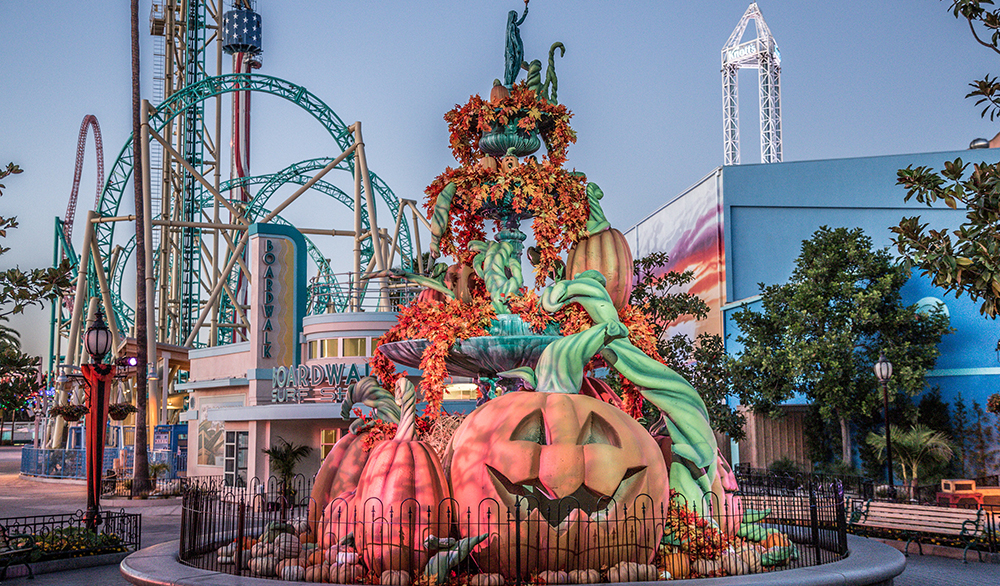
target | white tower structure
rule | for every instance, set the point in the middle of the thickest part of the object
(761, 54)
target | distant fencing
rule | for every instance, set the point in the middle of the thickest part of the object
(61, 463)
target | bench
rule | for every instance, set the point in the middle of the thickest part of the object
(15, 548)
(915, 521)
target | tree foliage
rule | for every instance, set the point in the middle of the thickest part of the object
(20, 289)
(965, 260)
(819, 334)
(703, 362)
(912, 450)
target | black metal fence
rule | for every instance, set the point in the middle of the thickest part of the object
(67, 536)
(274, 529)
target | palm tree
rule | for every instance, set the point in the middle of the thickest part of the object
(284, 457)
(140, 469)
(913, 448)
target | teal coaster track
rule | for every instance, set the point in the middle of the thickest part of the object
(325, 294)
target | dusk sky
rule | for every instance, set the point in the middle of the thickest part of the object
(859, 78)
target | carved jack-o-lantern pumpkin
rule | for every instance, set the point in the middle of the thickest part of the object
(509, 163)
(578, 473)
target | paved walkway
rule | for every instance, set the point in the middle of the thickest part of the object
(20, 496)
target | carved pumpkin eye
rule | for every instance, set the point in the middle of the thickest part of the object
(597, 430)
(531, 429)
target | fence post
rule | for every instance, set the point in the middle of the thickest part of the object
(517, 538)
(240, 530)
(838, 497)
(814, 516)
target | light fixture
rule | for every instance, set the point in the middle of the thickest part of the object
(883, 369)
(98, 338)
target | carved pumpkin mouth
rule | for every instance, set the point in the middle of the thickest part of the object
(534, 496)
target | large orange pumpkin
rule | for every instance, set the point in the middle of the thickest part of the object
(402, 496)
(583, 477)
(337, 479)
(608, 253)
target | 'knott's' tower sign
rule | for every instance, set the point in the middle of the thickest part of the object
(277, 302)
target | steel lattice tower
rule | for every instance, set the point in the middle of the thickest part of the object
(761, 54)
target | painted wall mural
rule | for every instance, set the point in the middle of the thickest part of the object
(690, 230)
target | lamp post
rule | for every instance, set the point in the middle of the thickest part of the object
(883, 372)
(97, 341)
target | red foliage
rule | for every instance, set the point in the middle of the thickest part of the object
(468, 123)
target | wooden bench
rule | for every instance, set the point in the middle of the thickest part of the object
(916, 521)
(15, 549)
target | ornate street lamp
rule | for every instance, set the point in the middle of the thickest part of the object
(97, 341)
(883, 372)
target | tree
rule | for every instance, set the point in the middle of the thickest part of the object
(960, 431)
(284, 457)
(912, 449)
(965, 260)
(20, 289)
(983, 444)
(140, 469)
(17, 383)
(819, 334)
(703, 362)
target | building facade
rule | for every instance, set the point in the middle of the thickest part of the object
(743, 225)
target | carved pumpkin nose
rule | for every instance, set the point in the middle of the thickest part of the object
(561, 469)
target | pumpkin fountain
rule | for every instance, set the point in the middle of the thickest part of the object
(551, 478)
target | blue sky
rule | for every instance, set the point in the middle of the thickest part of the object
(642, 78)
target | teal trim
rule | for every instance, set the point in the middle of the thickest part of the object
(299, 281)
(985, 371)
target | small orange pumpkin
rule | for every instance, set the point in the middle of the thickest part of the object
(403, 496)
(489, 163)
(499, 93)
(678, 564)
(608, 253)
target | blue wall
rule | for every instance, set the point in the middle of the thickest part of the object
(770, 209)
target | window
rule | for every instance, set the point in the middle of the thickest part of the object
(237, 443)
(314, 349)
(355, 347)
(327, 438)
(330, 348)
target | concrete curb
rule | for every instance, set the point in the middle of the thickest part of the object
(62, 565)
(869, 563)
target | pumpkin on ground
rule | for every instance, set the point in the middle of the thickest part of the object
(567, 460)
(403, 496)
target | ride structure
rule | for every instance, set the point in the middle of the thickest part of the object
(760, 53)
(197, 223)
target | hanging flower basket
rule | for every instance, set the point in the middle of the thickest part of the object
(119, 411)
(69, 412)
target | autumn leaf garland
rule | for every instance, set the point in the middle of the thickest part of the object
(468, 123)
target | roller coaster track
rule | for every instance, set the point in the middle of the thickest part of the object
(81, 145)
(178, 103)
